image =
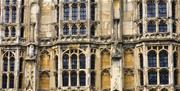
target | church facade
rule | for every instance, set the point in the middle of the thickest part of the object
(89, 45)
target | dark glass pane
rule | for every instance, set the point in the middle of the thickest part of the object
(4, 81)
(82, 59)
(162, 9)
(93, 58)
(151, 10)
(151, 27)
(152, 59)
(11, 81)
(82, 79)
(65, 78)
(73, 79)
(164, 76)
(65, 61)
(152, 77)
(162, 27)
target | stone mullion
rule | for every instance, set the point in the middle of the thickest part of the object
(16, 74)
(69, 83)
(145, 70)
(88, 18)
(8, 70)
(1, 67)
(158, 66)
(18, 19)
(61, 11)
(144, 15)
(88, 63)
(171, 67)
(59, 68)
(169, 14)
(156, 8)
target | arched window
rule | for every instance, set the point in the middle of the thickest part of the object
(66, 29)
(74, 11)
(5, 64)
(7, 11)
(74, 61)
(93, 58)
(151, 27)
(141, 60)
(83, 11)
(175, 58)
(66, 12)
(13, 32)
(65, 78)
(162, 27)
(93, 78)
(65, 61)
(151, 8)
(12, 59)
(74, 29)
(152, 59)
(14, 14)
(164, 76)
(82, 78)
(73, 78)
(82, 59)
(152, 77)
(162, 8)
(6, 32)
(22, 32)
(56, 62)
(4, 81)
(20, 81)
(11, 81)
(82, 29)
(176, 77)
(163, 56)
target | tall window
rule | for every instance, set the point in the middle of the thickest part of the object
(151, 27)
(163, 56)
(73, 78)
(175, 58)
(93, 78)
(7, 2)
(141, 60)
(162, 8)
(66, 29)
(11, 81)
(83, 11)
(14, 14)
(13, 32)
(140, 11)
(66, 12)
(82, 60)
(74, 11)
(65, 78)
(164, 76)
(6, 31)
(74, 61)
(93, 58)
(74, 29)
(152, 77)
(152, 59)
(7, 14)
(151, 10)
(82, 77)
(82, 29)
(22, 32)
(57, 31)
(4, 81)
(162, 27)
(65, 61)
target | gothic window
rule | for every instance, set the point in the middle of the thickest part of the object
(151, 27)
(73, 78)
(82, 60)
(5, 64)
(175, 58)
(12, 59)
(74, 11)
(140, 11)
(93, 78)
(7, 14)
(4, 81)
(162, 27)
(14, 14)
(83, 11)
(65, 61)
(6, 31)
(65, 78)
(11, 81)
(66, 12)
(151, 10)
(82, 78)
(74, 29)
(140, 28)
(162, 9)
(173, 9)
(66, 29)
(82, 29)
(7, 2)
(141, 60)
(22, 32)
(163, 56)
(74, 61)
(92, 10)
(164, 76)
(152, 59)
(152, 77)
(13, 32)
(93, 58)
